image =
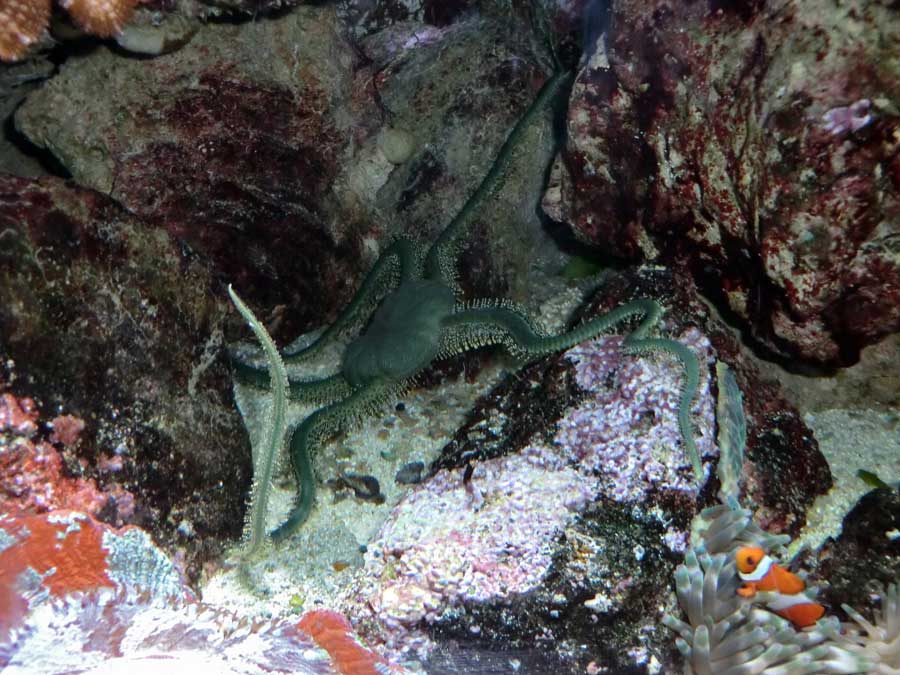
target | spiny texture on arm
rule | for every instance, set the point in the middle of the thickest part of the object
(504, 323)
(441, 258)
(265, 460)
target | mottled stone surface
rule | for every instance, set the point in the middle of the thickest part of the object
(230, 145)
(366, 17)
(786, 470)
(865, 558)
(287, 155)
(458, 91)
(107, 318)
(16, 81)
(758, 143)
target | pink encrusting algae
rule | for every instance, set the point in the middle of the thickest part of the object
(32, 476)
(453, 540)
(333, 633)
(627, 432)
(458, 539)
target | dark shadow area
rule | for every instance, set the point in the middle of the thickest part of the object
(48, 162)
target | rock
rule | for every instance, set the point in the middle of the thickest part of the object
(106, 318)
(290, 166)
(226, 146)
(758, 145)
(865, 558)
(547, 395)
(32, 469)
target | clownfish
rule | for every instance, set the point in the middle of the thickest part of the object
(759, 572)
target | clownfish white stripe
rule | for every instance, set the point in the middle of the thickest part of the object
(761, 570)
(784, 601)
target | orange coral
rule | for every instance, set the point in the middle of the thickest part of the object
(333, 632)
(23, 21)
(103, 18)
(64, 550)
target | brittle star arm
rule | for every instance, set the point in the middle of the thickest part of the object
(398, 263)
(441, 257)
(503, 323)
(311, 433)
(319, 392)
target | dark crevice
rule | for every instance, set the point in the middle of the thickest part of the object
(44, 157)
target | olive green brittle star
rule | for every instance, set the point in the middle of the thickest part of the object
(421, 318)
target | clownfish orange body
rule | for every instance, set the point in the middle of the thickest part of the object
(759, 572)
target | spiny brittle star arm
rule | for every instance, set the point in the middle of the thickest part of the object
(439, 262)
(397, 264)
(320, 392)
(308, 436)
(266, 461)
(484, 323)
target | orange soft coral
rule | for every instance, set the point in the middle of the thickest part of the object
(21, 24)
(103, 18)
(23, 21)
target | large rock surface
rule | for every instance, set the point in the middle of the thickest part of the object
(757, 143)
(106, 318)
(287, 155)
(229, 144)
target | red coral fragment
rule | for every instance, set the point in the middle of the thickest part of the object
(31, 478)
(66, 429)
(18, 415)
(32, 475)
(333, 632)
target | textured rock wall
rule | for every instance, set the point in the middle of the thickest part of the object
(758, 144)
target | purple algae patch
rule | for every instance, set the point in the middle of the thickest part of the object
(627, 431)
